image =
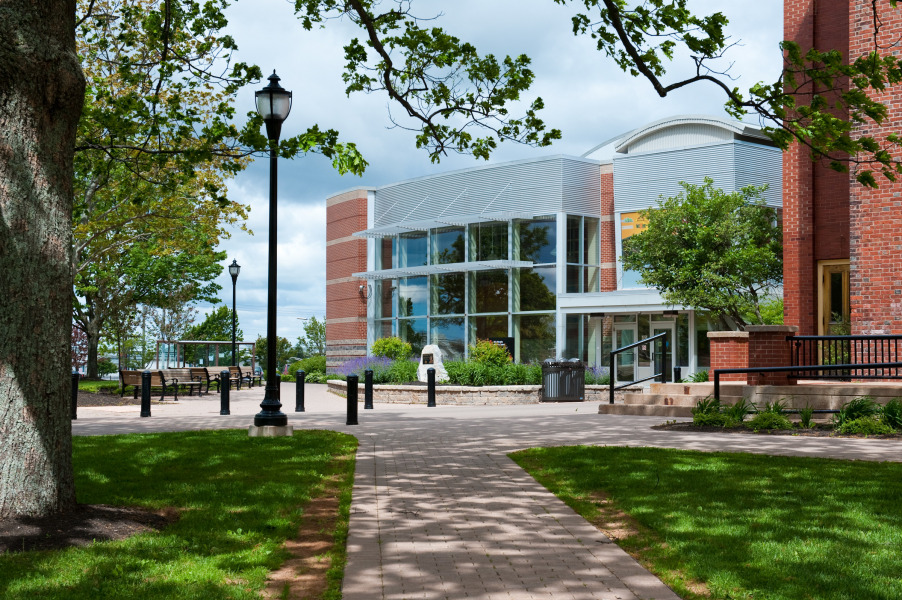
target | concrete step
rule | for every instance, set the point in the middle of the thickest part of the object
(664, 399)
(732, 388)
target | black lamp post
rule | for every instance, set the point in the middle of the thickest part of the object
(234, 269)
(273, 104)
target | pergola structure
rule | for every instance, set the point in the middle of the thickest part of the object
(210, 358)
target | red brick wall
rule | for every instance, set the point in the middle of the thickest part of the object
(608, 242)
(768, 348)
(876, 215)
(815, 198)
(345, 304)
(729, 350)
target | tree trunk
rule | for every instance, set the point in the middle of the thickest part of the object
(41, 94)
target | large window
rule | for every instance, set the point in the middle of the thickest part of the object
(385, 249)
(412, 300)
(534, 289)
(448, 293)
(448, 333)
(412, 249)
(488, 291)
(448, 245)
(536, 240)
(488, 241)
(583, 254)
(535, 337)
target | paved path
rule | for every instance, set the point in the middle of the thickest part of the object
(440, 511)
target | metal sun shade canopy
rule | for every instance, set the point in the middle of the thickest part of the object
(462, 267)
(457, 221)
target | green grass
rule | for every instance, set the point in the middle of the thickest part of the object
(240, 498)
(96, 385)
(743, 525)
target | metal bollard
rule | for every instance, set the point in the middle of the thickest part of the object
(430, 387)
(301, 377)
(145, 394)
(677, 375)
(74, 396)
(224, 391)
(368, 389)
(353, 381)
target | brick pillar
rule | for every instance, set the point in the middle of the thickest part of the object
(608, 238)
(768, 347)
(729, 350)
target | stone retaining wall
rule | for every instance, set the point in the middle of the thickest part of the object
(459, 395)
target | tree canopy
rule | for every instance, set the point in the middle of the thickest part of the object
(711, 250)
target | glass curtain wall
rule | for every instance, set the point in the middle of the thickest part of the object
(583, 254)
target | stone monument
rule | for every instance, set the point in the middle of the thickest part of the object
(431, 357)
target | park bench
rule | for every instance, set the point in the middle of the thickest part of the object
(203, 375)
(247, 374)
(235, 377)
(157, 380)
(183, 378)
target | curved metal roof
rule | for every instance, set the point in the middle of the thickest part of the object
(735, 127)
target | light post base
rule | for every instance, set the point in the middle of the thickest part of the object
(270, 415)
(271, 431)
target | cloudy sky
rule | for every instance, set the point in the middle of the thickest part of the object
(586, 96)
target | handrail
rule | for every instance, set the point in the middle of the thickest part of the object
(860, 367)
(613, 371)
(858, 350)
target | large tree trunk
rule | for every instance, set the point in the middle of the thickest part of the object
(41, 94)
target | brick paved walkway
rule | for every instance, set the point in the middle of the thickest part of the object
(440, 511)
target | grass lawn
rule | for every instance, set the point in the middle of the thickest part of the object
(719, 525)
(239, 497)
(96, 386)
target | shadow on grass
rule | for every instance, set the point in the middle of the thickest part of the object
(239, 499)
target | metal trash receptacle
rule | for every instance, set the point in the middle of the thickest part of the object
(563, 380)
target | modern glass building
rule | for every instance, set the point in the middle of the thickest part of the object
(527, 251)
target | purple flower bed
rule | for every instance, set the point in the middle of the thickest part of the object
(356, 366)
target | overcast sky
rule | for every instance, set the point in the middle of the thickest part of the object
(586, 96)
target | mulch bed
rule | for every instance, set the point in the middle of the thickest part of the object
(105, 399)
(81, 526)
(817, 431)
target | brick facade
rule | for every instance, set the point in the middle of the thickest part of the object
(729, 350)
(345, 254)
(768, 347)
(829, 216)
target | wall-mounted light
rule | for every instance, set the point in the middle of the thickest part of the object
(365, 291)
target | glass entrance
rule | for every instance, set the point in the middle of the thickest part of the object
(834, 296)
(663, 352)
(625, 365)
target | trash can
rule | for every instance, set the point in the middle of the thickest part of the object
(563, 380)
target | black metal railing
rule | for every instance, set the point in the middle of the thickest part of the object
(662, 374)
(857, 353)
(800, 368)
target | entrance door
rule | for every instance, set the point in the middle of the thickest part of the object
(625, 362)
(834, 298)
(663, 352)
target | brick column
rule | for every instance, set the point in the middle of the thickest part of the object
(729, 350)
(767, 347)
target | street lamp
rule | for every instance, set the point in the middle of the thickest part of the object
(234, 269)
(273, 104)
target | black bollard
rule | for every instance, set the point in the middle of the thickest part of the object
(430, 387)
(224, 391)
(677, 375)
(352, 400)
(74, 396)
(145, 394)
(368, 389)
(301, 377)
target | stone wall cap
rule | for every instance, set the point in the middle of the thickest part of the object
(772, 328)
(728, 334)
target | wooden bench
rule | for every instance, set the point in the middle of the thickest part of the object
(249, 377)
(157, 380)
(235, 377)
(182, 377)
(204, 376)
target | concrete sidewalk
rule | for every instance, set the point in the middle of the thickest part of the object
(440, 511)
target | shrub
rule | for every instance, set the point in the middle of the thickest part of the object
(392, 347)
(863, 406)
(777, 407)
(402, 371)
(472, 373)
(312, 364)
(769, 420)
(105, 367)
(709, 405)
(869, 425)
(597, 376)
(700, 377)
(717, 419)
(805, 415)
(486, 352)
(738, 411)
(892, 414)
(356, 366)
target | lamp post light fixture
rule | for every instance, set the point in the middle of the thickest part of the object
(273, 104)
(234, 269)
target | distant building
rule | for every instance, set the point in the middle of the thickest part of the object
(528, 251)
